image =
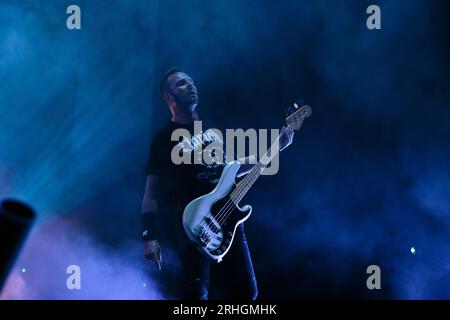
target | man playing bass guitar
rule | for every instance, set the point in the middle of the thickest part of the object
(170, 188)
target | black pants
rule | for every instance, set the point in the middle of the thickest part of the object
(233, 278)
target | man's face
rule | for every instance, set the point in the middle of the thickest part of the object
(183, 90)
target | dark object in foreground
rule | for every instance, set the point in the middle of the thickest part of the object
(16, 219)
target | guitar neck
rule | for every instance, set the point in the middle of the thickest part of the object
(244, 186)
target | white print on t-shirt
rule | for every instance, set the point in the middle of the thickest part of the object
(206, 148)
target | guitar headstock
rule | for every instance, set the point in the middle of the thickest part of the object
(296, 114)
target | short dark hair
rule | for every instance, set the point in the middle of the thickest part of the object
(163, 82)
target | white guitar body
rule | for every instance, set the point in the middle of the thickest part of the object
(211, 220)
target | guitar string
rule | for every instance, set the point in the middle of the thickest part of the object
(224, 213)
(251, 181)
(228, 207)
(246, 184)
(233, 196)
(236, 194)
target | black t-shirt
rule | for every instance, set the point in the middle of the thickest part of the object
(181, 183)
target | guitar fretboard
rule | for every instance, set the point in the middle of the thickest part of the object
(244, 186)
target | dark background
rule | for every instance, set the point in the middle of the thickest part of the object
(366, 179)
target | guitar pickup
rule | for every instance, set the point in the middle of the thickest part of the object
(204, 237)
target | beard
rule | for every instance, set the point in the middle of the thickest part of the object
(186, 105)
